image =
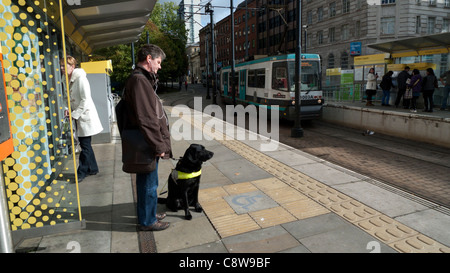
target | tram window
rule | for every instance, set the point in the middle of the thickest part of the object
(280, 76)
(251, 78)
(261, 78)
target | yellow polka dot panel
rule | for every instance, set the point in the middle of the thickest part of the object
(39, 175)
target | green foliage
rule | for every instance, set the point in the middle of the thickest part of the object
(165, 30)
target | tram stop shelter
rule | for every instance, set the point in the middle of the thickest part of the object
(40, 174)
(419, 52)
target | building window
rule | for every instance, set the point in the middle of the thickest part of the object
(418, 24)
(387, 25)
(344, 32)
(320, 37)
(446, 26)
(344, 60)
(332, 9)
(332, 35)
(309, 17)
(387, 2)
(320, 14)
(330, 60)
(345, 6)
(431, 25)
(358, 29)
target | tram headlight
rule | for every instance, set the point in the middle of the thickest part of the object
(293, 102)
(319, 101)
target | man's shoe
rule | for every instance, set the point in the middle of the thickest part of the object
(155, 227)
(160, 216)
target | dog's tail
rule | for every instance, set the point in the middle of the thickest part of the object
(162, 200)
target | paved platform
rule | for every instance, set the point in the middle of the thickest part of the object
(255, 201)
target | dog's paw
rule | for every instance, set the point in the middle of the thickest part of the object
(188, 217)
(198, 208)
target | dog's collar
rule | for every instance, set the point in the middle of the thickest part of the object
(182, 175)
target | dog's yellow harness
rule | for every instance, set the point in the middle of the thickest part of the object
(182, 175)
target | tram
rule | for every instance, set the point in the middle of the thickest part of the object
(270, 81)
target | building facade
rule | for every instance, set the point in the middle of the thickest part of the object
(333, 26)
(189, 11)
(337, 30)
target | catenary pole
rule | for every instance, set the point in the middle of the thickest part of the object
(297, 130)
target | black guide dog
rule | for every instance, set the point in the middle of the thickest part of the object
(184, 181)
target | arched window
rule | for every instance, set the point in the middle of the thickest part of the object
(330, 60)
(344, 60)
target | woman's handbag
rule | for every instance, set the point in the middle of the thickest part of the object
(408, 93)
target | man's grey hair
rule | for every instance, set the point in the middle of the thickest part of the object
(149, 49)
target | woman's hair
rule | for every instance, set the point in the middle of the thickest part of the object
(149, 49)
(430, 70)
(416, 71)
(70, 61)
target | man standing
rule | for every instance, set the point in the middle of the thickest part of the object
(402, 84)
(146, 119)
(445, 80)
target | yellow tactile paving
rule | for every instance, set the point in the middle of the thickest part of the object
(353, 211)
(239, 188)
(211, 194)
(272, 217)
(285, 195)
(269, 184)
(305, 208)
(419, 244)
(393, 233)
(234, 224)
(217, 208)
(386, 229)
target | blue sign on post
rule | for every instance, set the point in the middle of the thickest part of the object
(355, 48)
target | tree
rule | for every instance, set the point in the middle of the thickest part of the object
(167, 31)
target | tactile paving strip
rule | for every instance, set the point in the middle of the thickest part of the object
(387, 230)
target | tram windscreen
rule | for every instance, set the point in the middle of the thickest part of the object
(310, 75)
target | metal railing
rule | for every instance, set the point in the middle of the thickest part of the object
(357, 93)
(344, 93)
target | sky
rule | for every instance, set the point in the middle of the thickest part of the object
(221, 8)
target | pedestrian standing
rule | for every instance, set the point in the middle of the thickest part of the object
(371, 86)
(85, 113)
(428, 86)
(186, 83)
(445, 80)
(386, 85)
(416, 86)
(148, 121)
(403, 79)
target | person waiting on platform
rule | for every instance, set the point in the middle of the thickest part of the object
(445, 80)
(386, 85)
(416, 86)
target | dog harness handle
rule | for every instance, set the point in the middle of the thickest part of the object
(182, 175)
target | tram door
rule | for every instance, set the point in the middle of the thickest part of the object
(242, 84)
(225, 84)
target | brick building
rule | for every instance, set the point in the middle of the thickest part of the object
(329, 27)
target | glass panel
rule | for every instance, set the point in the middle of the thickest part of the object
(310, 75)
(39, 175)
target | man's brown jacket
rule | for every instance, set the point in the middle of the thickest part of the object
(145, 113)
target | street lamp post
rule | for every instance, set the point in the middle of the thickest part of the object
(297, 130)
(233, 93)
(207, 68)
(209, 9)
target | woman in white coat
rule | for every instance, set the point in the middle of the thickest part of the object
(371, 86)
(85, 113)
